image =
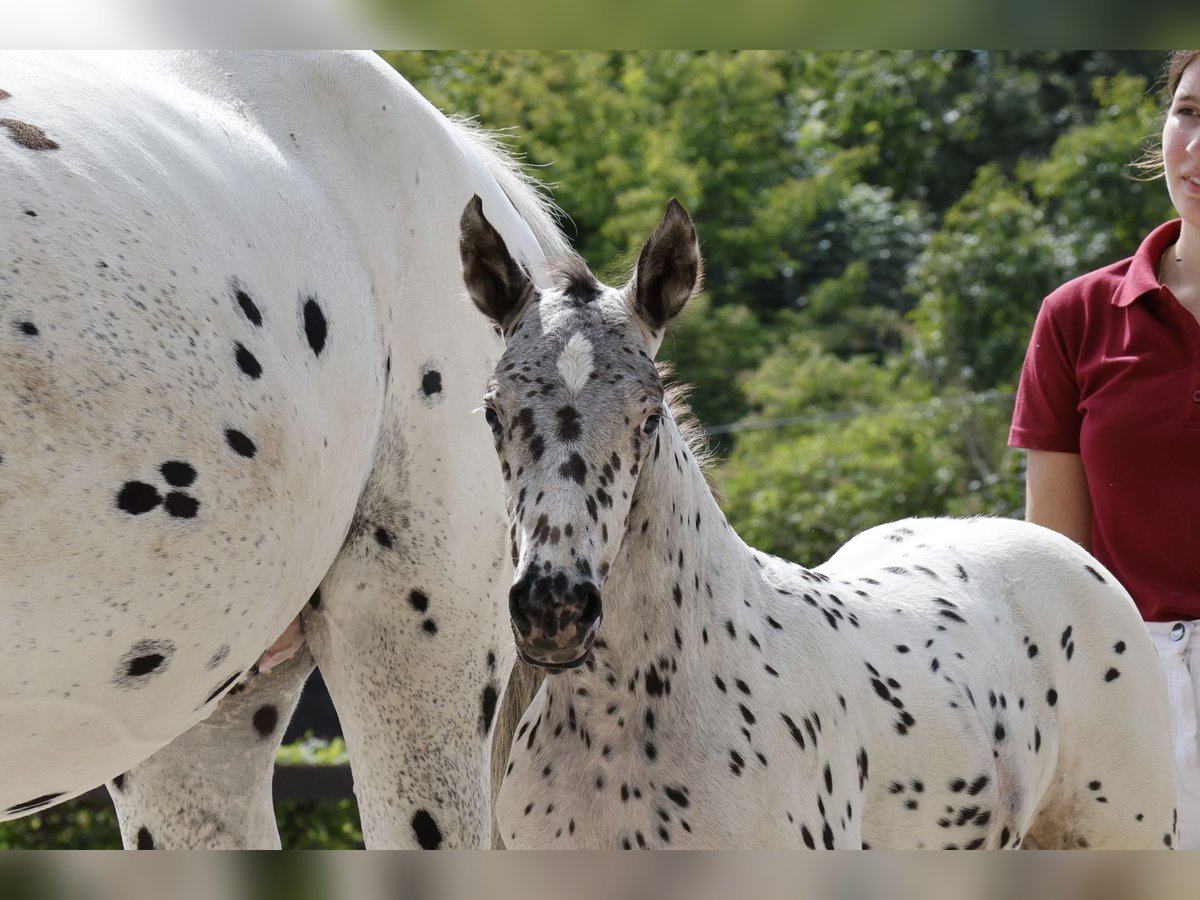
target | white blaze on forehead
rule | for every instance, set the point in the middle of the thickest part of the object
(575, 363)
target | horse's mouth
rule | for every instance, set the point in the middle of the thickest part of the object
(552, 666)
(556, 659)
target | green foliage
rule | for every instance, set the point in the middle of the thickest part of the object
(313, 751)
(303, 825)
(879, 230)
(68, 826)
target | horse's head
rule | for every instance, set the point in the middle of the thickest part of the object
(574, 405)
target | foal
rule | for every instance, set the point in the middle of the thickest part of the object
(937, 683)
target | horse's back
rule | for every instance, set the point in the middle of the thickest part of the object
(1043, 654)
(190, 394)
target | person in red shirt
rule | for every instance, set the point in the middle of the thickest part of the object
(1108, 408)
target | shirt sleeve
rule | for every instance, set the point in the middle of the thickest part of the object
(1046, 415)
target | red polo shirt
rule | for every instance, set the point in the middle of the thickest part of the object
(1113, 373)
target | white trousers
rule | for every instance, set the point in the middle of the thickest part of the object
(1178, 645)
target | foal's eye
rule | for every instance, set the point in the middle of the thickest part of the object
(493, 419)
(651, 424)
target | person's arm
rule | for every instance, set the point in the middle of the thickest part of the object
(1056, 494)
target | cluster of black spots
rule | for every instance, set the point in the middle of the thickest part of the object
(142, 663)
(29, 806)
(265, 719)
(428, 835)
(28, 136)
(119, 782)
(145, 841)
(910, 801)
(972, 788)
(137, 497)
(246, 361)
(239, 443)
(1066, 643)
(1094, 787)
(420, 602)
(383, 538)
(315, 327)
(888, 691)
(27, 328)
(736, 763)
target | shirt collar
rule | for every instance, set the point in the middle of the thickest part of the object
(1141, 278)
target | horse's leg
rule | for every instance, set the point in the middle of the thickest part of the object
(211, 786)
(416, 679)
(411, 632)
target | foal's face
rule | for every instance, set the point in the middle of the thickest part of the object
(573, 405)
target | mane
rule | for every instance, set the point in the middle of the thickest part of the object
(695, 438)
(527, 194)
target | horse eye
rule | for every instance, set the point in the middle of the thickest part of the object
(493, 420)
(651, 425)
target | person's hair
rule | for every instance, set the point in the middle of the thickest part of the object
(1150, 164)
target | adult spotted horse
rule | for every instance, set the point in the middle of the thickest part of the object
(938, 683)
(237, 372)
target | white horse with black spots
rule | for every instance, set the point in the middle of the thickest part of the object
(237, 372)
(937, 683)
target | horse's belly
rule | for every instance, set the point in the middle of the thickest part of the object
(190, 389)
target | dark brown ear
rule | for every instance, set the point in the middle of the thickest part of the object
(669, 269)
(496, 282)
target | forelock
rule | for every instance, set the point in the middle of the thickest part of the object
(572, 277)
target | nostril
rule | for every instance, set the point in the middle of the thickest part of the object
(518, 606)
(591, 606)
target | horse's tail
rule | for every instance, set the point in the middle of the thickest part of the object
(522, 685)
(529, 196)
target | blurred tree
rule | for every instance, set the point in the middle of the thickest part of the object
(879, 229)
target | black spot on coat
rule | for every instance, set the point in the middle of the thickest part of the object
(137, 497)
(247, 362)
(488, 707)
(429, 836)
(248, 308)
(315, 327)
(431, 383)
(265, 720)
(240, 444)
(178, 474)
(181, 506)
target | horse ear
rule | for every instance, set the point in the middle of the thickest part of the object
(669, 270)
(496, 282)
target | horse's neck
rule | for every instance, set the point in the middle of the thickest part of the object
(678, 580)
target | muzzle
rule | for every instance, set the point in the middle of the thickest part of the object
(555, 619)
